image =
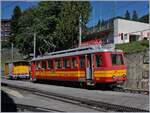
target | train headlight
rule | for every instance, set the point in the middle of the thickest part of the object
(113, 76)
(124, 75)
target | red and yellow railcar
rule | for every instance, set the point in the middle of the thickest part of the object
(90, 65)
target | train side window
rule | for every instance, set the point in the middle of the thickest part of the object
(98, 60)
(38, 65)
(43, 64)
(50, 64)
(74, 63)
(66, 63)
(58, 63)
(82, 62)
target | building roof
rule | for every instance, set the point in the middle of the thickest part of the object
(16, 61)
(5, 20)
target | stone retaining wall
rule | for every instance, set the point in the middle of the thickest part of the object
(137, 70)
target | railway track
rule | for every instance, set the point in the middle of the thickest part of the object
(25, 108)
(117, 89)
(128, 90)
(29, 108)
(97, 105)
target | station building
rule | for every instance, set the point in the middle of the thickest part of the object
(118, 30)
(126, 31)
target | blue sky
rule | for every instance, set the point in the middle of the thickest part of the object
(101, 9)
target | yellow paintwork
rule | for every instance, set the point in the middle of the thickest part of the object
(20, 70)
(6, 72)
(61, 73)
(109, 73)
(81, 73)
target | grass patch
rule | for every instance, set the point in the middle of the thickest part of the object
(133, 47)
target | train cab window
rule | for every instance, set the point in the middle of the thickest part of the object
(38, 65)
(43, 64)
(74, 63)
(117, 59)
(58, 63)
(50, 64)
(82, 61)
(98, 60)
(67, 63)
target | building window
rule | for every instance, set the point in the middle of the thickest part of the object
(148, 34)
(121, 36)
(98, 60)
(125, 36)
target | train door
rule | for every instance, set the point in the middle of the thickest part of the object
(89, 69)
(6, 70)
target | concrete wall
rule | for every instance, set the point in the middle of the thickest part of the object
(129, 28)
(137, 70)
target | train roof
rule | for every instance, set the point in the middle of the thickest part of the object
(16, 61)
(79, 51)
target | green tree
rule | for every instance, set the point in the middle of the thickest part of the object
(40, 20)
(102, 23)
(14, 23)
(99, 24)
(135, 16)
(144, 18)
(68, 25)
(55, 24)
(127, 15)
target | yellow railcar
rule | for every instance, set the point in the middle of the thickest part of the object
(17, 69)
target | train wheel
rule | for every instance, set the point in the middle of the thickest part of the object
(34, 80)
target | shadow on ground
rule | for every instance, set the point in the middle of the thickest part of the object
(103, 87)
(7, 103)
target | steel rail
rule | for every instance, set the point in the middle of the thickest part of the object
(98, 105)
(22, 107)
(128, 90)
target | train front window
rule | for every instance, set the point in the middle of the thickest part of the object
(117, 59)
(98, 60)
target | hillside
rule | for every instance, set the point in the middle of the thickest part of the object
(133, 47)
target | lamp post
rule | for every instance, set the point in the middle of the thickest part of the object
(12, 52)
(34, 45)
(80, 30)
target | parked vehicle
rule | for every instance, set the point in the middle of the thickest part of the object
(17, 69)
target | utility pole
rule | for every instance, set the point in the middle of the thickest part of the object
(12, 51)
(80, 30)
(113, 28)
(34, 45)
